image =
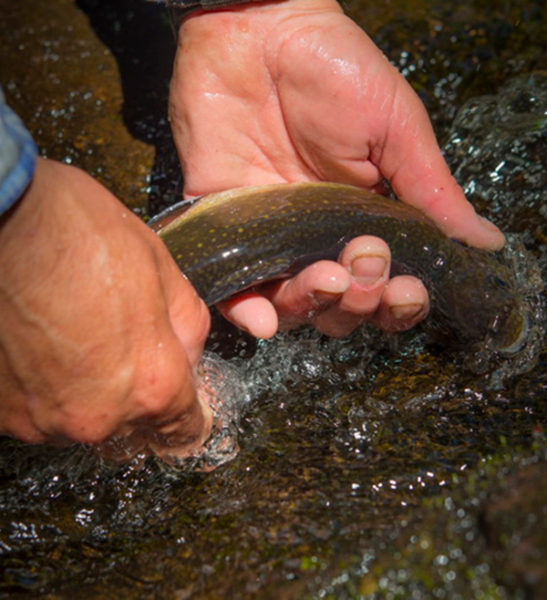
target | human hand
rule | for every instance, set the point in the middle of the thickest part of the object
(295, 91)
(100, 332)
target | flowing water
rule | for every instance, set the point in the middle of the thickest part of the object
(371, 467)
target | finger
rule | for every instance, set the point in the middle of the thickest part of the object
(181, 428)
(184, 420)
(287, 303)
(251, 312)
(412, 161)
(189, 316)
(173, 441)
(335, 322)
(404, 303)
(160, 400)
(368, 260)
(300, 299)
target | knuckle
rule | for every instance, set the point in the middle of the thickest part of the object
(80, 424)
(160, 381)
(21, 428)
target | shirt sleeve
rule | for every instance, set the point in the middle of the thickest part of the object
(17, 156)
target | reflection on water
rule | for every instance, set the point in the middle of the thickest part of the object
(371, 467)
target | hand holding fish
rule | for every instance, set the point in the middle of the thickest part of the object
(295, 91)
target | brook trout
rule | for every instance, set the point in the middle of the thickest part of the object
(229, 241)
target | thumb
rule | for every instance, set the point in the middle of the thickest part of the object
(189, 316)
(190, 426)
(411, 159)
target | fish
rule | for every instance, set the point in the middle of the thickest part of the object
(230, 241)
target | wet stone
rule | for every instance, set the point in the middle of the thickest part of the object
(73, 71)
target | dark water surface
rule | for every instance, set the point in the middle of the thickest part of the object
(373, 467)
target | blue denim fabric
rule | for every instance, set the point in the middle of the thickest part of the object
(17, 156)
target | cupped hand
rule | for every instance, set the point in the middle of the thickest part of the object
(295, 91)
(100, 332)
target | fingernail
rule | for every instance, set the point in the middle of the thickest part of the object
(368, 270)
(488, 224)
(406, 311)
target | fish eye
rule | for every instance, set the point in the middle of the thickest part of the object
(498, 281)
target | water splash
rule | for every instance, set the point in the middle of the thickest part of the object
(306, 357)
(221, 385)
(497, 151)
(287, 361)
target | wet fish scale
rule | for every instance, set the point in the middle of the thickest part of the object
(229, 241)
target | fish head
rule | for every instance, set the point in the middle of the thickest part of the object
(480, 302)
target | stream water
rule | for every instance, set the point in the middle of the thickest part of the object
(371, 467)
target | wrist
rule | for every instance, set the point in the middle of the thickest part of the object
(261, 6)
(22, 229)
(252, 19)
(186, 6)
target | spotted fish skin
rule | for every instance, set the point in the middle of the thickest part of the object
(229, 241)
